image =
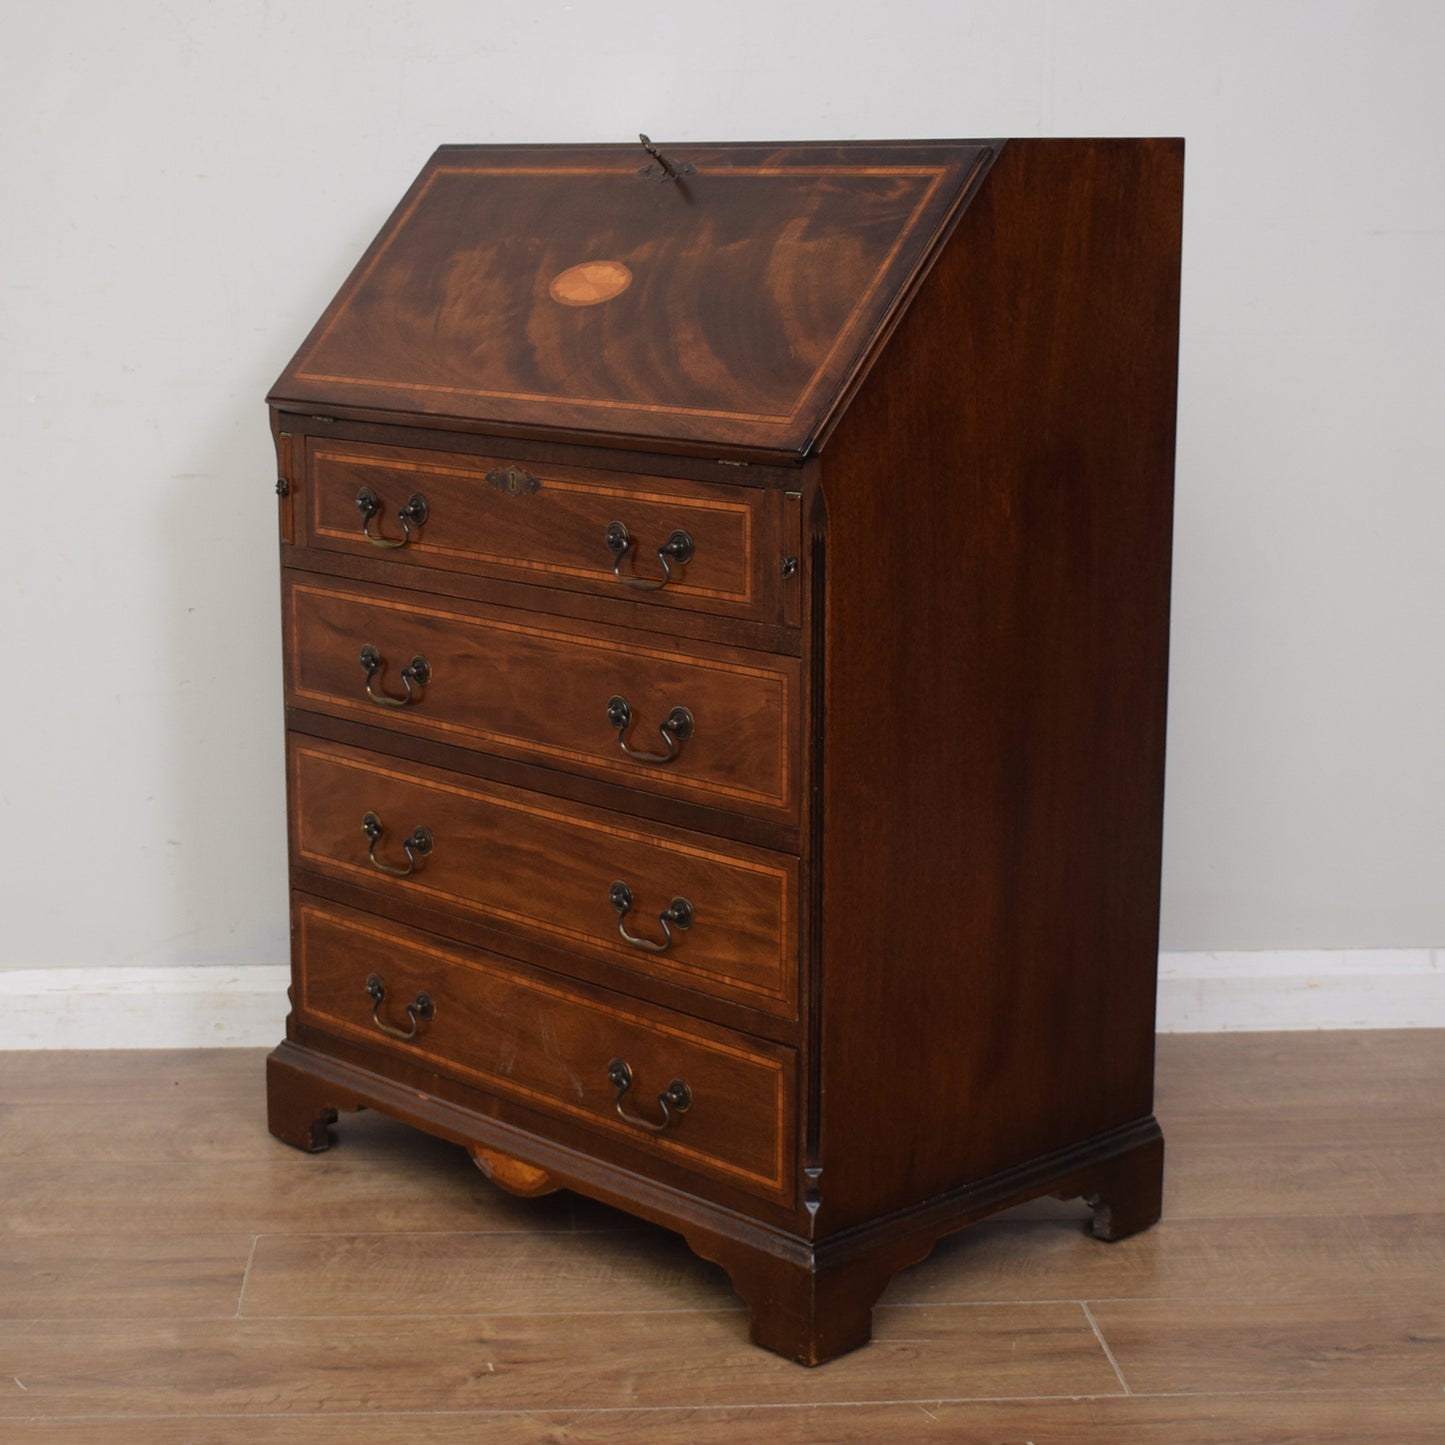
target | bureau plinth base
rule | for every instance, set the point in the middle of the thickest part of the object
(1126, 1193)
(301, 1105)
(809, 1300)
(814, 1301)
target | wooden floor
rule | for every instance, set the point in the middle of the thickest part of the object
(170, 1273)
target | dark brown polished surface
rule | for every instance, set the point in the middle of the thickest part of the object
(542, 870)
(1008, 845)
(503, 681)
(549, 525)
(756, 285)
(878, 766)
(520, 1034)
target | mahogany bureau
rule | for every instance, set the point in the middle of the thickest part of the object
(726, 618)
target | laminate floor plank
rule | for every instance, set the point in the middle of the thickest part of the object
(1247, 1345)
(1405, 1127)
(119, 1076)
(223, 1128)
(532, 1361)
(86, 1277)
(1269, 1258)
(430, 1274)
(994, 1262)
(1283, 1075)
(1340, 1418)
(169, 1273)
(269, 1196)
(1204, 1181)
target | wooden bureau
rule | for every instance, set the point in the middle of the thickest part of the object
(725, 594)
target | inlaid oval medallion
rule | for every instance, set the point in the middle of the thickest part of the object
(590, 283)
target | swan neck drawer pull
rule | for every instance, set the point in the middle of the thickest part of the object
(675, 1099)
(678, 548)
(421, 1007)
(412, 515)
(418, 845)
(417, 671)
(678, 914)
(675, 728)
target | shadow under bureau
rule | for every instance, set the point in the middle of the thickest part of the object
(725, 593)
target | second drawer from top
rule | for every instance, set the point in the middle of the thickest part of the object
(705, 724)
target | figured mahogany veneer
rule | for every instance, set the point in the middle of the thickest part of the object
(885, 801)
(535, 1040)
(758, 286)
(547, 524)
(542, 870)
(539, 688)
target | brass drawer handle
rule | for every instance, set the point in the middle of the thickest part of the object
(414, 513)
(421, 1007)
(675, 728)
(675, 1097)
(677, 548)
(417, 671)
(678, 914)
(419, 844)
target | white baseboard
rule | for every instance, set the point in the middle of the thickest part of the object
(1397, 988)
(143, 1008)
(181, 1008)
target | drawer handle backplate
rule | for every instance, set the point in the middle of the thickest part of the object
(678, 914)
(675, 1099)
(417, 671)
(675, 728)
(414, 513)
(421, 1007)
(418, 845)
(677, 548)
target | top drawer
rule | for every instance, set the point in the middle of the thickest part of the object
(674, 543)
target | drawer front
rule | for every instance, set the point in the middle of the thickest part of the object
(549, 525)
(549, 1047)
(545, 870)
(542, 690)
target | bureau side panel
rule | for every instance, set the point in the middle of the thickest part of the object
(998, 516)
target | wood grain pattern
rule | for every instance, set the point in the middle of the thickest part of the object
(539, 688)
(1308, 1179)
(991, 898)
(364, 1275)
(512, 1174)
(260, 1195)
(759, 283)
(1377, 1417)
(1364, 1342)
(1315, 1079)
(574, 1361)
(68, 1276)
(528, 1037)
(553, 536)
(142, 1077)
(542, 870)
(1275, 1257)
(124, 1282)
(976, 383)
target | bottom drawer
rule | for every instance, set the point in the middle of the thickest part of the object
(728, 1099)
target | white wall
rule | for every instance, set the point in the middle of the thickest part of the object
(185, 184)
